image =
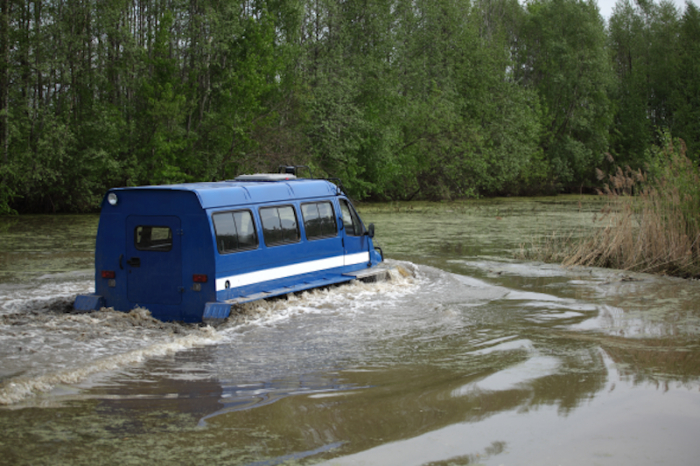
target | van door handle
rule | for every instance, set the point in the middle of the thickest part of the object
(134, 262)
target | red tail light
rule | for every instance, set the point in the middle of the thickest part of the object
(199, 278)
(108, 274)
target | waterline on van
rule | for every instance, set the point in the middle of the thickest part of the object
(350, 297)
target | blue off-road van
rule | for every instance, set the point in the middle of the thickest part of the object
(189, 252)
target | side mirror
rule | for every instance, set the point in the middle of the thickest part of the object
(370, 230)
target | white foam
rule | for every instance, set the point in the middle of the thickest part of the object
(354, 297)
(21, 298)
(18, 388)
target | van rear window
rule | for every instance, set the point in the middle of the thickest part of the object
(235, 231)
(319, 220)
(153, 238)
(279, 225)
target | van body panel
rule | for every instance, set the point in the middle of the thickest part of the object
(356, 242)
(223, 194)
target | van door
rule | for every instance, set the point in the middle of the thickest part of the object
(153, 259)
(355, 241)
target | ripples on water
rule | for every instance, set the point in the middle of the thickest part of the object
(478, 360)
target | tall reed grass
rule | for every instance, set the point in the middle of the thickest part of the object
(652, 220)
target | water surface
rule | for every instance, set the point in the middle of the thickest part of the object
(467, 357)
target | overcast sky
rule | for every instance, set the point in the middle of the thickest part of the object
(606, 6)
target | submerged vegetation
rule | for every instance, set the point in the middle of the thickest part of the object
(402, 99)
(651, 222)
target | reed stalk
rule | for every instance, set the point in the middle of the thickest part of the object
(652, 220)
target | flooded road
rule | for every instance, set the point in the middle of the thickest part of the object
(465, 357)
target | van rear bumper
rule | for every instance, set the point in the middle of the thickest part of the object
(90, 302)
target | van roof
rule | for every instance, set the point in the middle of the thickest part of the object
(230, 193)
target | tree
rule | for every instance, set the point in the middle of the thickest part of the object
(563, 57)
(687, 90)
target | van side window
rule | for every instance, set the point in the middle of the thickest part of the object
(319, 220)
(235, 231)
(351, 221)
(279, 225)
(152, 238)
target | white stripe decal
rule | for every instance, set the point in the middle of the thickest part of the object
(290, 270)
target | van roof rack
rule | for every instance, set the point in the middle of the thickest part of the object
(294, 169)
(289, 172)
(265, 177)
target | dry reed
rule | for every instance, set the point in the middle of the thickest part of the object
(653, 220)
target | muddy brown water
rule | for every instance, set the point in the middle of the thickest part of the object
(467, 356)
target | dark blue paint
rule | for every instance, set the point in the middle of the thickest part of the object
(163, 281)
(153, 277)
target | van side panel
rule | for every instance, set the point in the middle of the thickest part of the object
(357, 245)
(198, 260)
(271, 267)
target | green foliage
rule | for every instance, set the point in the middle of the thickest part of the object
(655, 54)
(674, 176)
(399, 98)
(686, 93)
(563, 57)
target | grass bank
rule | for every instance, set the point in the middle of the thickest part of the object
(651, 222)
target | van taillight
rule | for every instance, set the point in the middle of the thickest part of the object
(199, 278)
(108, 274)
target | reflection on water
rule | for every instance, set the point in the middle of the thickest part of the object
(469, 357)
